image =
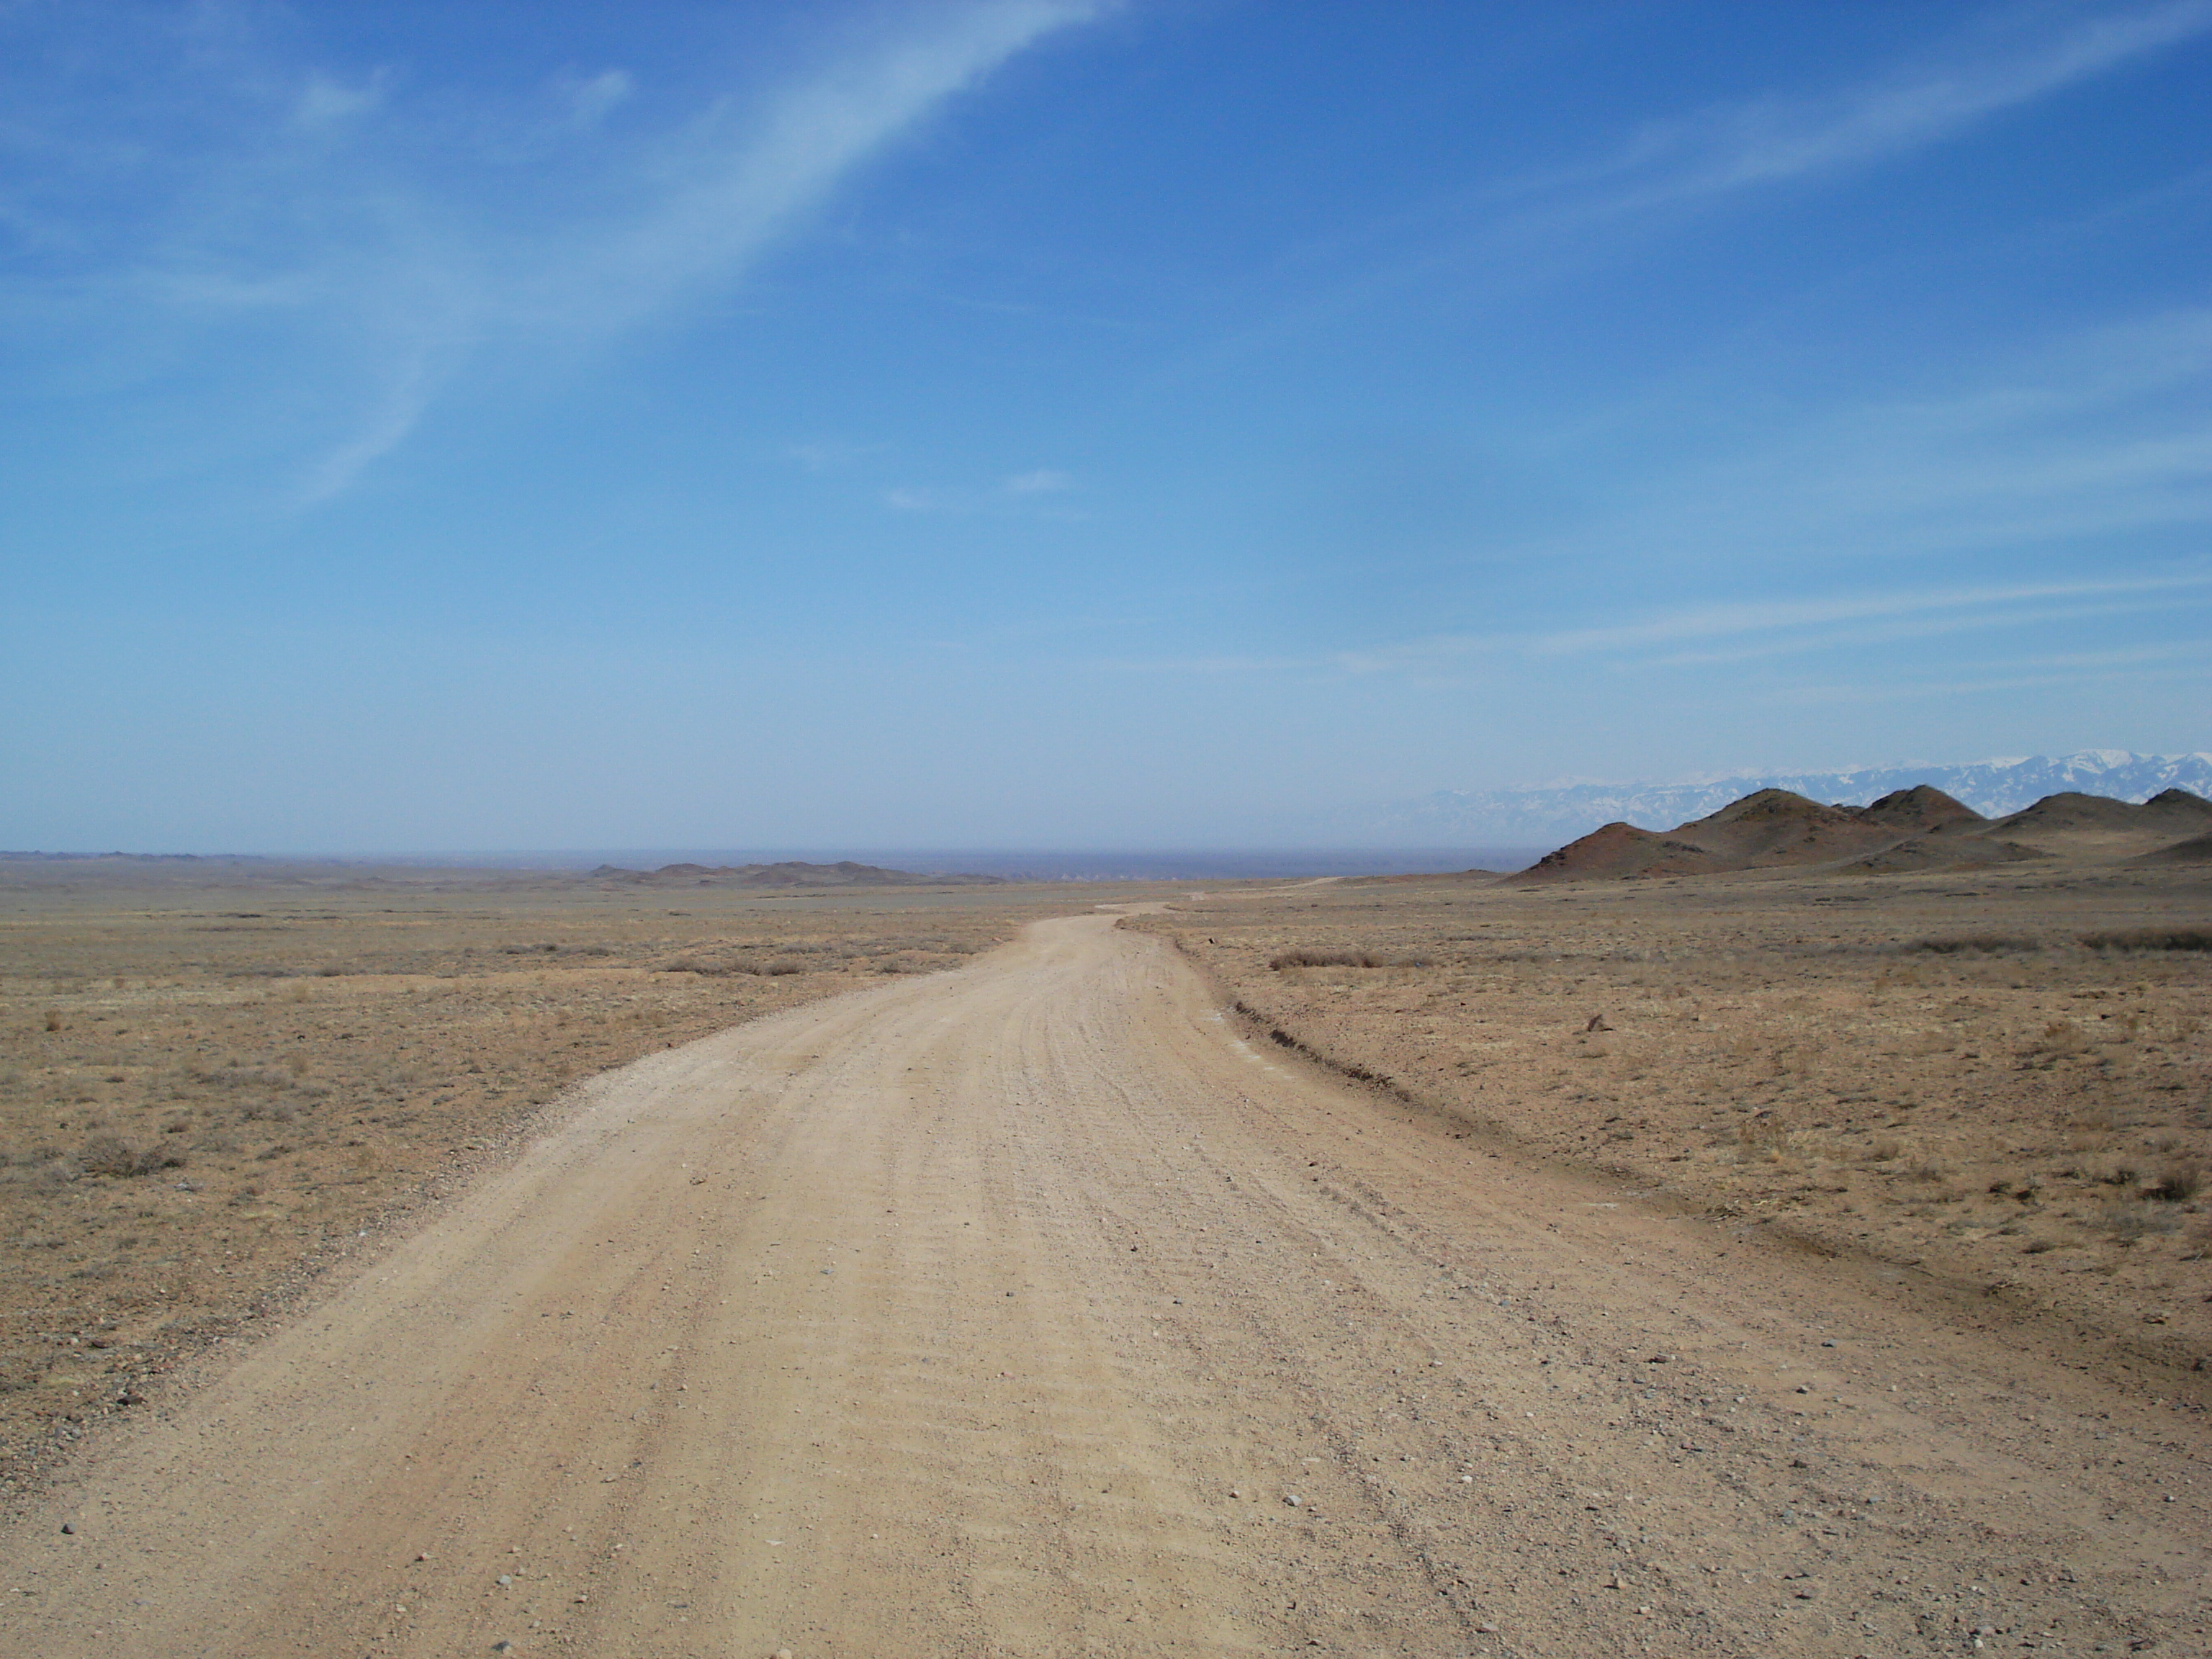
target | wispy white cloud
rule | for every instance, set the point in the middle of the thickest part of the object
(400, 246)
(592, 98)
(732, 182)
(325, 102)
(2143, 670)
(828, 457)
(2107, 434)
(1022, 491)
(1766, 140)
(1743, 630)
(1763, 617)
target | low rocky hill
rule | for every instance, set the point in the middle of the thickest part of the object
(1919, 827)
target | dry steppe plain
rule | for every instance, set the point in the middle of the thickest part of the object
(216, 1079)
(1931, 1074)
(1777, 1264)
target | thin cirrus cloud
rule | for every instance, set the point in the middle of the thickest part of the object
(1023, 489)
(1960, 608)
(1764, 626)
(737, 179)
(1767, 140)
(719, 198)
(343, 213)
(2107, 433)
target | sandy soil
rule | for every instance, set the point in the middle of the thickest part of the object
(215, 1077)
(1931, 1072)
(1032, 1310)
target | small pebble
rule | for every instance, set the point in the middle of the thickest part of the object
(67, 1528)
(1292, 1499)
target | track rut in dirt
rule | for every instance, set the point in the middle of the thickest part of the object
(1027, 1310)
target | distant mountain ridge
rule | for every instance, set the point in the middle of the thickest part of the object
(1548, 814)
(788, 873)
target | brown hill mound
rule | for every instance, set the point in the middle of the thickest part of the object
(1616, 851)
(1777, 827)
(2096, 826)
(2068, 812)
(2191, 814)
(2197, 849)
(1916, 829)
(1937, 851)
(1921, 808)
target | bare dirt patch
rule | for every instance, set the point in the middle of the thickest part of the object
(2003, 1082)
(214, 1080)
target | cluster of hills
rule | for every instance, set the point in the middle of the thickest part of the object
(790, 872)
(1547, 814)
(1916, 828)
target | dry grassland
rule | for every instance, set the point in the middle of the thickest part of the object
(208, 1092)
(1931, 1072)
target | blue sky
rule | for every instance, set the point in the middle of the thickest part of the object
(1042, 422)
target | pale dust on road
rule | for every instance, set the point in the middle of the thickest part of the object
(1027, 1310)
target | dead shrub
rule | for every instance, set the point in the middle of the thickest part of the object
(1988, 945)
(1761, 1132)
(2129, 1220)
(2176, 1183)
(111, 1155)
(2060, 1036)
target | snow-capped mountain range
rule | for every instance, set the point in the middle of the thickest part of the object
(1549, 814)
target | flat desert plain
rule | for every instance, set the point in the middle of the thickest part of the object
(217, 1077)
(1999, 1082)
(1769, 1265)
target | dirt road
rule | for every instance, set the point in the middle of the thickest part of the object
(1026, 1309)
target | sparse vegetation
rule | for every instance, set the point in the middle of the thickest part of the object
(1987, 944)
(2176, 1183)
(236, 1094)
(2129, 1220)
(1918, 1066)
(2151, 939)
(111, 1155)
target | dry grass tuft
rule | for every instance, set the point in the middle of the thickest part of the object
(2129, 1220)
(2176, 1183)
(2151, 939)
(1312, 959)
(111, 1155)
